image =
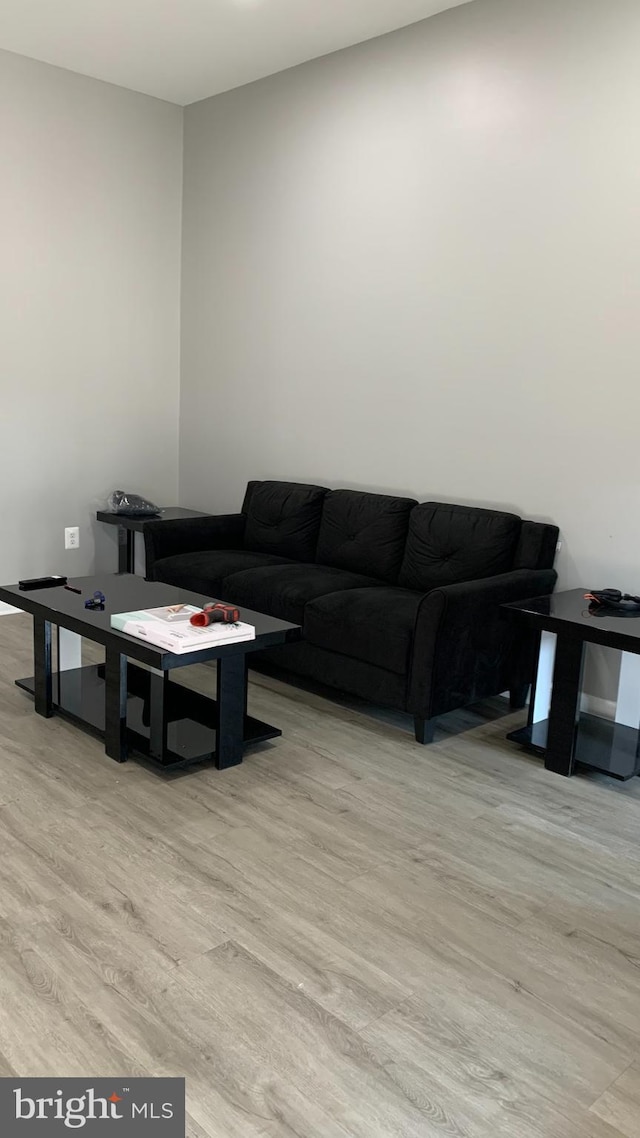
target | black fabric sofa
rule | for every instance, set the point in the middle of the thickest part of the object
(398, 602)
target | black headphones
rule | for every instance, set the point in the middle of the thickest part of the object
(610, 601)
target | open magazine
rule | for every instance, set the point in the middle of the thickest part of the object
(170, 628)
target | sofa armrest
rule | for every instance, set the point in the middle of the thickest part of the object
(190, 535)
(465, 648)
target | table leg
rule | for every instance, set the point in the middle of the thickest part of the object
(158, 714)
(565, 706)
(232, 703)
(42, 666)
(115, 675)
(126, 550)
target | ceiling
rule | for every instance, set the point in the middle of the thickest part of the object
(186, 50)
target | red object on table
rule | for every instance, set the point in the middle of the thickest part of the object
(215, 613)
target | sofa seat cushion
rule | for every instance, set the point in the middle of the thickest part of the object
(283, 518)
(375, 625)
(364, 533)
(204, 572)
(448, 544)
(284, 590)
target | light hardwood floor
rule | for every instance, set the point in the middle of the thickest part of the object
(349, 935)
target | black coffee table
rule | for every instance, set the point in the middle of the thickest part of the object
(136, 708)
(557, 727)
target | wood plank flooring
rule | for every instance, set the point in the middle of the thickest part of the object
(349, 936)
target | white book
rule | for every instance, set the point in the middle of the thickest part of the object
(170, 628)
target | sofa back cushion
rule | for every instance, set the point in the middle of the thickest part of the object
(283, 518)
(447, 544)
(364, 533)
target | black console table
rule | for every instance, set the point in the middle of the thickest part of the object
(556, 727)
(131, 524)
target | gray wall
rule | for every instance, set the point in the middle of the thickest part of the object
(415, 265)
(90, 204)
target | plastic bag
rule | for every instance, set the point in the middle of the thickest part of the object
(122, 502)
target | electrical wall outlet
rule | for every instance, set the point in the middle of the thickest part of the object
(72, 537)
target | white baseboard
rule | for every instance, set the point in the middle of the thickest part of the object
(594, 705)
(7, 610)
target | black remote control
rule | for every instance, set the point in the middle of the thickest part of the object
(41, 583)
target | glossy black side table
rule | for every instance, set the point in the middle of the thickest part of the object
(131, 524)
(556, 727)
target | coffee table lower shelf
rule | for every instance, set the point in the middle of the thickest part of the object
(601, 744)
(190, 717)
